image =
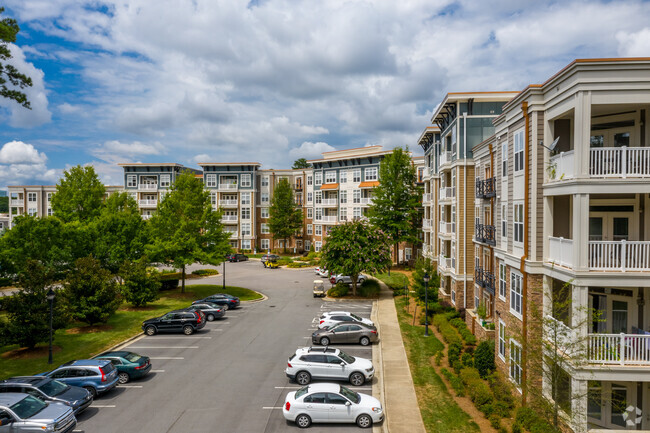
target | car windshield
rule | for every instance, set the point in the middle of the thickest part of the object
(28, 407)
(355, 317)
(347, 358)
(302, 391)
(53, 387)
(132, 357)
(350, 395)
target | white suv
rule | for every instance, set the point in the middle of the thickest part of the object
(333, 317)
(328, 363)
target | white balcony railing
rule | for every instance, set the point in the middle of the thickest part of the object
(229, 218)
(426, 223)
(621, 349)
(445, 158)
(426, 197)
(366, 201)
(17, 202)
(619, 255)
(329, 202)
(426, 173)
(619, 162)
(446, 228)
(328, 218)
(561, 251)
(227, 202)
(447, 193)
(146, 217)
(148, 203)
(228, 186)
(147, 186)
(444, 262)
(232, 234)
(561, 166)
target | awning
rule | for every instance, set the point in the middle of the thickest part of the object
(329, 186)
(369, 184)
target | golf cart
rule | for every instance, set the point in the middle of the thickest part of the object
(271, 262)
(319, 289)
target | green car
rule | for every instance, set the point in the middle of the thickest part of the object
(129, 365)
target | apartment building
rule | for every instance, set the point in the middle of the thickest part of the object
(430, 138)
(463, 121)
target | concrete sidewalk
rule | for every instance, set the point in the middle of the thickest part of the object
(396, 388)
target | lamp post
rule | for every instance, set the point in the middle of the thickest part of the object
(224, 273)
(50, 298)
(426, 304)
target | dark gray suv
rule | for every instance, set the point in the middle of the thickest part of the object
(49, 390)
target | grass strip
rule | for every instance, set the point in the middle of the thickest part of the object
(395, 280)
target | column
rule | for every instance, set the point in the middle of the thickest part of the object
(582, 134)
(579, 389)
(580, 232)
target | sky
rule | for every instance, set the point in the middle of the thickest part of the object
(272, 81)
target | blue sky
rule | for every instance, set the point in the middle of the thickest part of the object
(273, 80)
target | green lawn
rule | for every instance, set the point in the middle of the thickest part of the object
(395, 280)
(439, 411)
(77, 343)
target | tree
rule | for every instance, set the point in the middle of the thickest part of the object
(397, 198)
(139, 288)
(28, 309)
(484, 358)
(285, 217)
(91, 292)
(422, 265)
(8, 73)
(185, 229)
(356, 247)
(79, 195)
(300, 163)
(4, 204)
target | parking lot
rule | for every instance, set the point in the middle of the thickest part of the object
(229, 377)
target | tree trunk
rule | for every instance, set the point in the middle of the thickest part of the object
(354, 284)
(183, 283)
(284, 246)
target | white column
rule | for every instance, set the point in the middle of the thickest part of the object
(582, 134)
(547, 223)
(579, 405)
(580, 310)
(580, 232)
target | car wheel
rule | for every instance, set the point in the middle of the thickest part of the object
(123, 378)
(150, 330)
(361, 281)
(303, 378)
(92, 391)
(364, 421)
(357, 379)
(188, 330)
(210, 317)
(364, 341)
(325, 341)
(225, 307)
(303, 421)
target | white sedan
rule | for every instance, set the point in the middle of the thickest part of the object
(333, 317)
(331, 403)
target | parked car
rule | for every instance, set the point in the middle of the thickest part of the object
(129, 365)
(49, 390)
(333, 317)
(328, 363)
(345, 279)
(25, 413)
(267, 257)
(331, 403)
(228, 301)
(211, 311)
(322, 272)
(346, 332)
(97, 376)
(237, 257)
(187, 322)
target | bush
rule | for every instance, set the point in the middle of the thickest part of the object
(297, 265)
(532, 422)
(455, 382)
(449, 333)
(439, 357)
(169, 281)
(516, 428)
(464, 332)
(5, 282)
(477, 389)
(495, 421)
(467, 359)
(502, 390)
(338, 291)
(484, 359)
(205, 272)
(284, 261)
(139, 287)
(369, 288)
(453, 352)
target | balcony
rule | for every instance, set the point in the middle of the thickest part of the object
(329, 202)
(229, 219)
(426, 197)
(486, 188)
(445, 158)
(227, 203)
(618, 349)
(426, 223)
(561, 251)
(485, 234)
(445, 263)
(604, 162)
(328, 219)
(232, 234)
(366, 201)
(146, 217)
(147, 186)
(17, 202)
(447, 193)
(148, 203)
(619, 255)
(227, 186)
(446, 229)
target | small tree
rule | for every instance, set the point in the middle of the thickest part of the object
(185, 229)
(300, 163)
(285, 217)
(484, 358)
(8, 73)
(355, 247)
(28, 310)
(139, 287)
(79, 195)
(91, 292)
(425, 265)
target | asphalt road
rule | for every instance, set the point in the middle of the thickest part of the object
(229, 377)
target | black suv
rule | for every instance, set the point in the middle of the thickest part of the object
(186, 322)
(229, 302)
(237, 257)
(49, 390)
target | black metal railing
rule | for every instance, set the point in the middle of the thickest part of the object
(486, 188)
(485, 234)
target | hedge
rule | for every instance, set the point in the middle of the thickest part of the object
(531, 421)
(205, 272)
(369, 288)
(448, 332)
(338, 291)
(297, 265)
(467, 335)
(455, 382)
(479, 391)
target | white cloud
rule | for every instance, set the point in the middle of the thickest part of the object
(634, 44)
(21, 162)
(120, 149)
(17, 152)
(310, 150)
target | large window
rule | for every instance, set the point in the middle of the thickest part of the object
(309, 180)
(265, 244)
(164, 180)
(310, 197)
(245, 180)
(265, 181)
(330, 176)
(356, 213)
(265, 229)
(213, 199)
(502, 281)
(319, 214)
(371, 173)
(518, 214)
(264, 212)
(245, 213)
(356, 196)
(264, 197)
(344, 197)
(318, 197)
(132, 180)
(356, 175)
(210, 180)
(502, 340)
(310, 212)
(318, 229)
(343, 176)
(246, 229)
(343, 214)
(246, 244)
(515, 294)
(317, 246)
(310, 229)
(31, 197)
(515, 362)
(318, 178)
(504, 222)
(504, 159)
(245, 198)
(519, 150)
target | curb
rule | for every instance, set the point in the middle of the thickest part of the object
(378, 388)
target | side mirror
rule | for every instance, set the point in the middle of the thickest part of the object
(347, 403)
(5, 419)
(342, 364)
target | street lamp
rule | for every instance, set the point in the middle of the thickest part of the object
(426, 303)
(224, 272)
(50, 298)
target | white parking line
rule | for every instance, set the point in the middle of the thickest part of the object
(156, 371)
(365, 388)
(271, 407)
(166, 357)
(163, 347)
(102, 405)
(129, 386)
(178, 337)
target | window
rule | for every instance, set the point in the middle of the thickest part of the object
(310, 212)
(211, 180)
(502, 340)
(310, 230)
(318, 178)
(310, 197)
(246, 244)
(50, 212)
(264, 197)
(245, 213)
(265, 244)
(515, 362)
(343, 176)
(518, 232)
(265, 181)
(265, 229)
(309, 180)
(330, 176)
(408, 253)
(245, 229)
(246, 198)
(515, 294)
(264, 212)
(356, 213)
(344, 197)
(504, 159)
(318, 230)
(356, 175)
(319, 213)
(504, 222)
(317, 246)
(49, 197)
(213, 199)
(356, 196)
(343, 214)
(31, 197)
(32, 211)
(502, 281)
(371, 173)
(131, 180)
(519, 150)
(245, 180)
(164, 180)
(298, 198)
(318, 197)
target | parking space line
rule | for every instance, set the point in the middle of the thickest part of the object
(163, 347)
(179, 337)
(364, 388)
(156, 371)
(271, 407)
(102, 405)
(166, 357)
(129, 386)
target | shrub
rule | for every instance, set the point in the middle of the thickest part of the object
(297, 265)
(205, 272)
(369, 288)
(464, 332)
(516, 428)
(453, 352)
(484, 358)
(5, 282)
(439, 357)
(477, 389)
(284, 261)
(502, 390)
(338, 291)
(454, 381)
(449, 334)
(140, 287)
(532, 422)
(467, 359)
(495, 421)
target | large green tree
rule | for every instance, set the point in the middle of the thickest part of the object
(139, 287)
(356, 247)
(79, 195)
(300, 163)
(425, 265)
(285, 216)
(185, 229)
(397, 198)
(12, 81)
(4, 204)
(28, 309)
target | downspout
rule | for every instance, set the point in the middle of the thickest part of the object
(492, 211)
(524, 376)
(465, 211)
